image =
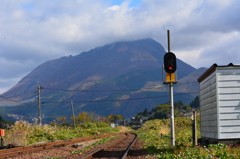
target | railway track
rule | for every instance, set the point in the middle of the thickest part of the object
(117, 148)
(17, 151)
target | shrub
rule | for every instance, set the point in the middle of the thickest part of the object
(23, 133)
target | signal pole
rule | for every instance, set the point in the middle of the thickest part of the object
(172, 115)
(168, 37)
(171, 100)
(170, 67)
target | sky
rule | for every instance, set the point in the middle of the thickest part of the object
(203, 32)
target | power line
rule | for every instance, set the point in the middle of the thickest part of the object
(57, 89)
(11, 100)
(186, 83)
(92, 90)
(121, 99)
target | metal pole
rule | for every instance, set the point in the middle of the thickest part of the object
(168, 37)
(171, 99)
(1, 141)
(172, 115)
(39, 106)
(74, 124)
(194, 128)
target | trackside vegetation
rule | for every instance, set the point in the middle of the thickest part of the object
(156, 136)
(24, 133)
(154, 133)
(102, 141)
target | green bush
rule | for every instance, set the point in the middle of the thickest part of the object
(24, 133)
(160, 145)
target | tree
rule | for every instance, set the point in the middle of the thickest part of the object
(195, 103)
(119, 117)
(83, 118)
(178, 104)
(111, 117)
(138, 116)
(145, 112)
(103, 119)
(186, 107)
(62, 120)
(162, 112)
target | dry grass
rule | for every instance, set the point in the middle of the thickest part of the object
(165, 130)
(124, 129)
(23, 133)
(17, 134)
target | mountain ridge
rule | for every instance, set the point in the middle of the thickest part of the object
(118, 66)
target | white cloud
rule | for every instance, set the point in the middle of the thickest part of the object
(224, 51)
(113, 8)
(34, 31)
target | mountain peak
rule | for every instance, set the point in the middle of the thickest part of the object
(124, 65)
(138, 42)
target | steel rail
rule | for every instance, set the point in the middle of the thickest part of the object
(52, 144)
(129, 147)
(101, 148)
(111, 144)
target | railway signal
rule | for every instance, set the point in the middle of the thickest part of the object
(170, 65)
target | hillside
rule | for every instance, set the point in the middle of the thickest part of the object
(189, 83)
(118, 78)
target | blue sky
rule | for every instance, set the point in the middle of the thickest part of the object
(132, 3)
(203, 32)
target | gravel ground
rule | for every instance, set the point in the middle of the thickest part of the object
(66, 152)
(54, 153)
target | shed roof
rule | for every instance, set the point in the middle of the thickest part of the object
(212, 69)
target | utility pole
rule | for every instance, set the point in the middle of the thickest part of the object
(74, 124)
(39, 105)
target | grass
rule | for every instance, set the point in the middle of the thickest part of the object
(102, 141)
(23, 133)
(155, 135)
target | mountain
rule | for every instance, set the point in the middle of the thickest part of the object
(119, 78)
(189, 83)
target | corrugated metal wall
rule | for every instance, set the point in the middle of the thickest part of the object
(208, 108)
(229, 102)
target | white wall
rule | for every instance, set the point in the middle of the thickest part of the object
(208, 107)
(228, 102)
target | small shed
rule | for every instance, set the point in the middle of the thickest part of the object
(220, 102)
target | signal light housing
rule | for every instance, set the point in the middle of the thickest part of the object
(170, 64)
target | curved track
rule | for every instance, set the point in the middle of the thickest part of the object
(118, 148)
(5, 153)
